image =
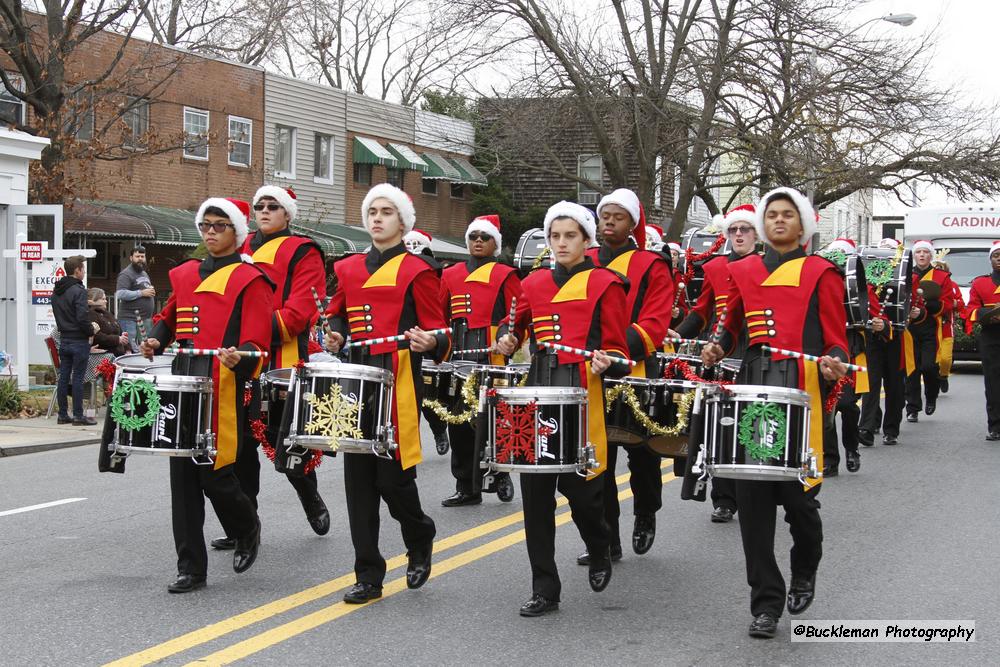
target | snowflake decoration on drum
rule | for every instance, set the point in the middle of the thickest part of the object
(517, 430)
(334, 416)
(762, 430)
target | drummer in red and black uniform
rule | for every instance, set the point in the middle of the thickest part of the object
(224, 304)
(647, 305)
(476, 295)
(984, 310)
(793, 301)
(742, 235)
(387, 292)
(582, 306)
(926, 330)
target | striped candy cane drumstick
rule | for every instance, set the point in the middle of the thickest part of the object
(203, 352)
(393, 339)
(809, 357)
(140, 328)
(584, 353)
(478, 350)
(323, 322)
(686, 341)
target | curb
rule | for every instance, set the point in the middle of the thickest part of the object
(45, 447)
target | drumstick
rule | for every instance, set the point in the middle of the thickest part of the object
(810, 357)
(393, 339)
(203, 352)
(677, 294)
(510, 321)
(478, 350)
(140, 327)
(319, 307)
(584, 353)
(685, 341)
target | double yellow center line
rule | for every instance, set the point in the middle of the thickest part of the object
(310, 621)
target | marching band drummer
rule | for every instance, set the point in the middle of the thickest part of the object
(218, 303)
(793, 301)
(296, 266)
(984, 299)
(476, 294)
(580, 305)
(385, 292)
(647, 306)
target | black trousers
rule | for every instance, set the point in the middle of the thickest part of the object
(850, 413)
(925, 347)
(724, 493)
(989, 351)
(189, 484)
(644, 479)
(368, 479)
(463, 446)
(437, 425)
(538, 495)
(884, 370)
(248, 472)
(758, 503)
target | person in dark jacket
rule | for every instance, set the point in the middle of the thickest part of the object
(108, 335)
(69, 305)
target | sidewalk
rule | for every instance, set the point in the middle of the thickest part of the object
(38, 434)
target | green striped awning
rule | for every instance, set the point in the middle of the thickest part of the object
(369, 151)
(469, 173)
(170, 226)
(408, 159)
(439, 167)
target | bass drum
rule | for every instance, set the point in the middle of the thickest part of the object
(699, 241)
(855, 293)
(891, 274)
(530, 246)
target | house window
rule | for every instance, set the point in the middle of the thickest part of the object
(11, 108)
(458, 190)
(136, 119)
(395, 177)
(323, 159)
(78, 117)
(240, 141)
(362, 174)
(284, 151)
(195, 134)
(429, 186)
(589, 167)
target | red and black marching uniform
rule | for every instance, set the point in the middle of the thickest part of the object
(296, 266)
(217, 302)
(984, 295)
(381, 294)
(648, 303)
(886, 364)
(582, 307)
(926, 338)
(476, 296)
(796, 302)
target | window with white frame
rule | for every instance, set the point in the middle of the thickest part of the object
(284, 151)
(11, 108)
(591, 168)
(240, 141)
(195, 134)
(323, 158)
(136, 120)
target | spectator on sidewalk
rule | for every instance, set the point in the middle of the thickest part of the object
(135, 293)
(69, 305)
(108, 335)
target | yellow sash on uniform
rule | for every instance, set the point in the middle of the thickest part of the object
(595, 421)
(811, 384)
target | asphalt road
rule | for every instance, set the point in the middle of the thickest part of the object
(911, 536)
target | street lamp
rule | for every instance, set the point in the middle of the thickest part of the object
(904, 20)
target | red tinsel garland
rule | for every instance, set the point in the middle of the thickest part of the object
(106, 370)
(259, 431)
(690, 258)
(688, 373)
(247, 396)
(834, 396)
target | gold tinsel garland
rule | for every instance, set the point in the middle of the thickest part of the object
(632, 401)
(470, 397)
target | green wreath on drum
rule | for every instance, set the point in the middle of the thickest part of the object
(878, 272)
(139, 392)
(762, 430)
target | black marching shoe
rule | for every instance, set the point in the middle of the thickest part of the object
(316, 512)
(930, 407)
(224, 543)
(643, 533)
(853, 461)
(943, 383)
(185, 583)
(911, 417)
(538, 605)
(616, 555)
(505, 487)
(831, 471)
(890, 439)
(800, 594)
(764, 626)
(993, 435)
(441, 443)
(866, 438)
(460, 498)
(418, 567)
(246, 550)
(722, 515)
(599, 574)
(64, 420)
(361, 593)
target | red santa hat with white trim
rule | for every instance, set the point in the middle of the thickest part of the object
(994, 248)
(237, 210)
(284, 196)
(568, 209)
(399, 199)
(923, 244)
(846, 246)
(654, 237)
(486, 224)
(807, 214)
(673, 245)
(889, 243)
(629, 201)
(745, 213)
(418, 237)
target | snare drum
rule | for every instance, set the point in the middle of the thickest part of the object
(727, 370)
(137, 363)
(538, 430)
(470, 379)
(693, 362)
(341, 407)
(622, 423)
(757, 432)
(183, 424)
(437, 380)
(892, 280)
(274, 386)
(678, 404)
(855, 293)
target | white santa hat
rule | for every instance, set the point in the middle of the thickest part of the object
(676, 247)
(889, 244)
(994, 248)
(807, 214)
(284, 196)
(846, 246)
(745, 213)
(568, 209)
(629, 201)
(237, 210)
(654, 237)
(419, 237)
(923, 245)
(399, 199)
(486, 224)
